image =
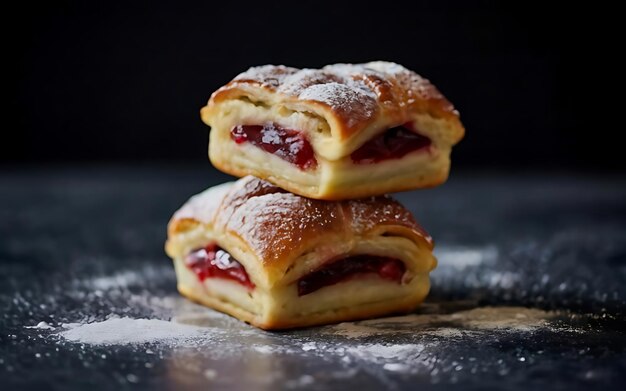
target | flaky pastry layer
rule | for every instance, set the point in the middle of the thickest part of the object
(280, 237)
(339, 108)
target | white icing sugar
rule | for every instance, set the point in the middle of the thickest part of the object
(390, 68)
(463, 257)
(353, 91)
(119, 280)
(271, 75)
(129, 331)
(241, 190)
(343, 98)
(40, 326)
(382, 352)
(203, 206)
(411, 344)
(296, 83)
(368, 213)
(347, 88)
(268, 222)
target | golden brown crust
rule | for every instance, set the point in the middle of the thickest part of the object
(276, 225)
(353, 95)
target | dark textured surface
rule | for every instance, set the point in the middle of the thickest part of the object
(81, 245)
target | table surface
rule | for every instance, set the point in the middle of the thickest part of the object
(530, 290)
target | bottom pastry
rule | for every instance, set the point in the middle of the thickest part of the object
(278, 260)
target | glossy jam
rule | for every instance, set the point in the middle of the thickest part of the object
(213, 262)
(288, 144)
(392, 144)
(344, 269)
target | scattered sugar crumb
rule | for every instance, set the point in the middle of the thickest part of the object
(395, 367)
(210, 374)
(265, 349)
(302, 381)
(40, 326)
(463, 257)
(118, 280)
(71, 325)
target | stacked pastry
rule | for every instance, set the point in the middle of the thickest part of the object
(308, 235)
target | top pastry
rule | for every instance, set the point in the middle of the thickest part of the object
(340, 132)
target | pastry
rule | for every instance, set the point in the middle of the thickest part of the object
(341, 132)
(278, 260)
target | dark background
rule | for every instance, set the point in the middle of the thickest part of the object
(123, 83)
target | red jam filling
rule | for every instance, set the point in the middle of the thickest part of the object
(392, 144)
(213, 262)
(344, 269)
(288, 144)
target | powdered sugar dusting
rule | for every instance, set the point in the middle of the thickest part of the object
(387, 67)
(371, 212)
(385, 352)
(128, 331)
(296, 83)
(460, 258)
(264, 349)
(356, 93)
(242, 190)
(344, 99)
(197, 341)
(409, 344)
(118, 280)
(41, 326)
(203, 206)
(274, 224)
(267, 75)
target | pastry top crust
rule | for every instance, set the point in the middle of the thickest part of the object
(277, 226)
(349, 96)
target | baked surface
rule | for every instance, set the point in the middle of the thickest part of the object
(338, 108)
(279, 238)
